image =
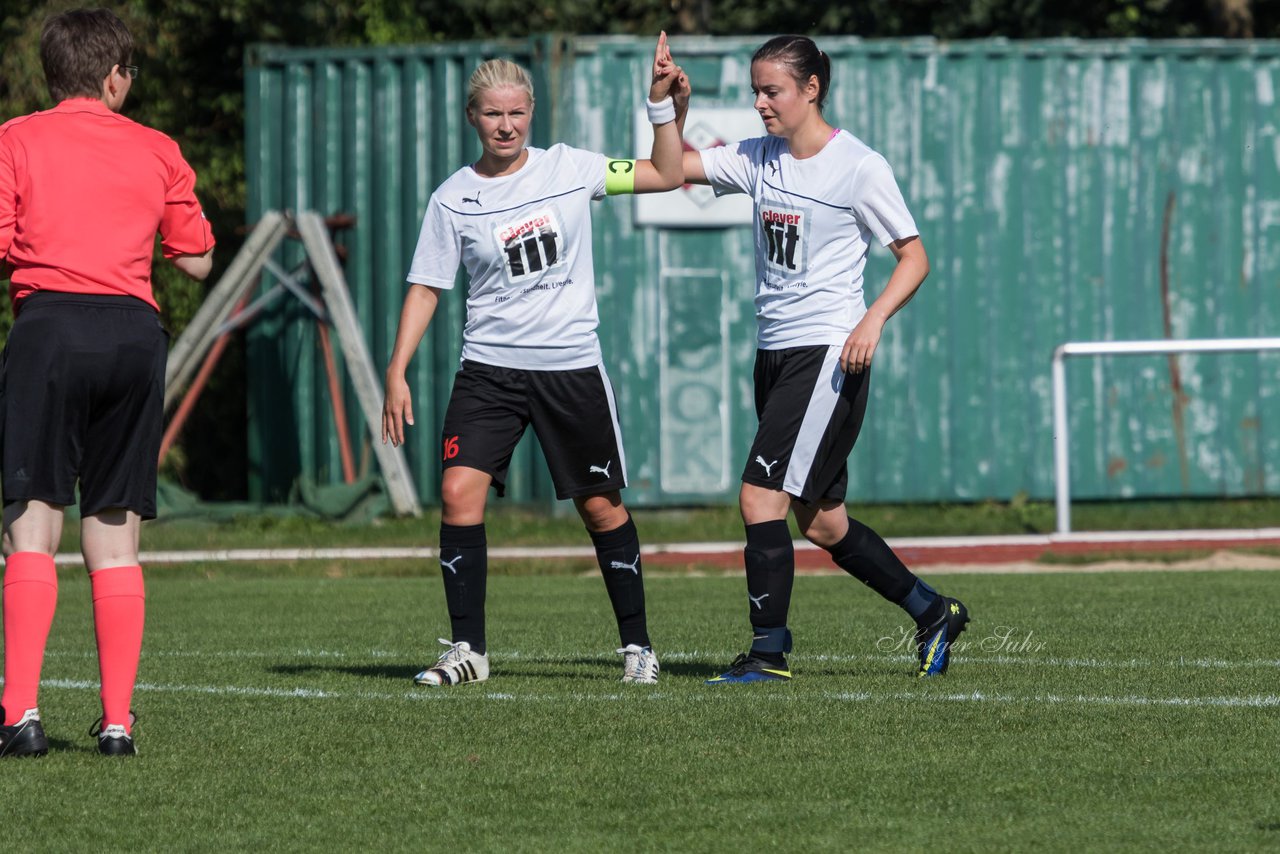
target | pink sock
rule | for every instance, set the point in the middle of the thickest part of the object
(119, 605)
(30, 598)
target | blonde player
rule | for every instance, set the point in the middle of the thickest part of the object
(519, 221)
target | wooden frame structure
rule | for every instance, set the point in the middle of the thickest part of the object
(227, 308)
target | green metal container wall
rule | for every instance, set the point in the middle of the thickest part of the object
(1064, 190)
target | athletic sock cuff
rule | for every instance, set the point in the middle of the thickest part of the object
(36, 567)
(923, 604)
(768, 535)
(620, 536)
(117, 581)
(462, 536)
(847, 546)
(772, 640)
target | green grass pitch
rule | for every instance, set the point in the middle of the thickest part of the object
(1135, 711)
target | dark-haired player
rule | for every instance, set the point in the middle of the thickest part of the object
(821, 197)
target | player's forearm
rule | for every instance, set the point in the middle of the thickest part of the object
(196, 267)
(690, 161)
(680, 94)
(667, 155)
(908, 275)
(419, 307)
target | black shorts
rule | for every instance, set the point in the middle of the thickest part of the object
(572, 412)
(810, 415)
(82, 398)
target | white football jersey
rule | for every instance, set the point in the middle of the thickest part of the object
(525, 240)
(814, 220)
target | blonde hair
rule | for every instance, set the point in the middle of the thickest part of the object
(497, 74)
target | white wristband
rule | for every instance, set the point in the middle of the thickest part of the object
(661, 112)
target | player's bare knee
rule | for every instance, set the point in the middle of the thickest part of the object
(461, 514)
(27, 543)
(104, 555)
(820, 535)
(32, 526)
(94, 561)
(823, 524)
(110, 538)
(454, 496)
(762, 505)
(602, 512)
(461, 504)
(39, 545)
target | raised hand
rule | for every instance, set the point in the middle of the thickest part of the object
(665, 71)
(680, 93)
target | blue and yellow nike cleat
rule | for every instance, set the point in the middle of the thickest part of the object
(747, 668)
(935, 641)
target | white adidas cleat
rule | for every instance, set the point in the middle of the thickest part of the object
(639, 665)
(457, 664)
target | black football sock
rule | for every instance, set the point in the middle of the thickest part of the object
(868, 558)
(618, 553)
(464, 564)
(771, 568)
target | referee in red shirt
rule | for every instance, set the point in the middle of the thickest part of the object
(83, 192)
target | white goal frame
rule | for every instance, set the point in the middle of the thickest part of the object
(1061, 443)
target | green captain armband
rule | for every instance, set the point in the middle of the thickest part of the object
(619, 177)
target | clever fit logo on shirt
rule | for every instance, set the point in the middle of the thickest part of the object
(531, 245)
(785, 230)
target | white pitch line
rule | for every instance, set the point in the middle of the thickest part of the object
(698, 656)
(1031, 661)
(962, 659)
(734, 547)
(461, 694)
(222, 690)
(1263, 701)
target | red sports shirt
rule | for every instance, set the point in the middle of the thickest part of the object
(83, 192)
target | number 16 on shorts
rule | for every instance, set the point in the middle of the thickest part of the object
(450, 448)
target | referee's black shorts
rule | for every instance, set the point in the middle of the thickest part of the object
(572, 412)
(810, 415)
(82, 399)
